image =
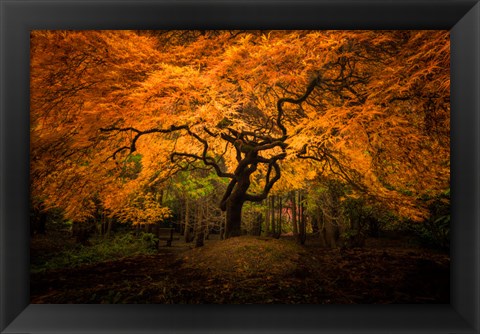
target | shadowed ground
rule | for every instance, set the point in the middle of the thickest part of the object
(254, 270)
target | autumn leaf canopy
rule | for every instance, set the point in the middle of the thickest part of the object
(114, 114)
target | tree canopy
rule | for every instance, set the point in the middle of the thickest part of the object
(115, 114)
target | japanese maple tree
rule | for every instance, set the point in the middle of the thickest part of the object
(370, 108)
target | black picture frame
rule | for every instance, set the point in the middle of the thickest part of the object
(18, 17)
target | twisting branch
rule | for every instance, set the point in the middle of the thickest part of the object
(328, 158)
(311, 86)
(208, 161)
(228, 192)
(139, 133)
(268, 182)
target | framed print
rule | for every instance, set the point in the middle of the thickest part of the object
(113, 25)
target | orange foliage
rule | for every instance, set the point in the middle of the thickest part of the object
(377, 118)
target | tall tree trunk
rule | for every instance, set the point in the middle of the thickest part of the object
(186, 232)
(321, 236)
(331, 233)
(195, 221)
(83, 231)
(267, 217)
(257, 224)
(272, 214)
(357, 240)
(293, 197)
(373, 227)
(109, 226)
(207, 220)
(223, 225)
(278, 230)
(160, 200)
(302, 235)
(234, 218)
(200, 226)
(181, 219)
(315, 228)
(234, 203)
(156, 231)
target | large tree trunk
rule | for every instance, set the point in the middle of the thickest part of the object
(236, 193)
(234, 218)
(234, 205)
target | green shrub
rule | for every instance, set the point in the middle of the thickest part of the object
(435, 233)
(101, 249)
(352, 238)
(150, 240)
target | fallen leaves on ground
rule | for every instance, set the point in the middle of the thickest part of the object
(255, 270)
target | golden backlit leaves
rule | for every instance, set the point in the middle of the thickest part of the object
(381, 109)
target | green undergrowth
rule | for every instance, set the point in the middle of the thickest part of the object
(100, 250)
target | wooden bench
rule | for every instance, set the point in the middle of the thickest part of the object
(166, 234)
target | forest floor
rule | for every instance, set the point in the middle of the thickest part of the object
(256, 270)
